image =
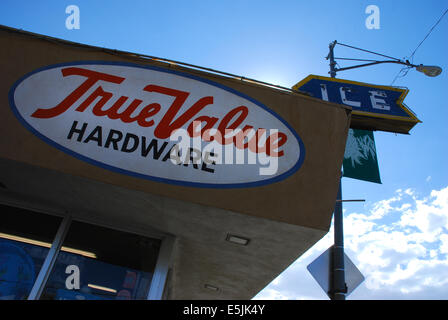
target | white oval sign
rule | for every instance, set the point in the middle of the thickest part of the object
(157, 124)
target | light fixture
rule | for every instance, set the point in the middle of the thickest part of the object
(94, 286)
(79, 252)
(210, 287)
(430, 71)
(46, 245)
(237, 240)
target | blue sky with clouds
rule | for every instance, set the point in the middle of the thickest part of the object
(398, 238)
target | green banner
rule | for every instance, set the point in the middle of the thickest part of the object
(360, 160)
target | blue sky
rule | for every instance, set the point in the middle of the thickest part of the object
(398, 238)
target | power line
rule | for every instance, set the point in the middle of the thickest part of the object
(404, 71)
(412, 55)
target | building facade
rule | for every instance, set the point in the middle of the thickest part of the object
(100, 201)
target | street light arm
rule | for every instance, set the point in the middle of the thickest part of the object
(430, 71)
(376, 62)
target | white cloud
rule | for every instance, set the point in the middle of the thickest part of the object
(272, 294)
(430, 215)
(444, 243)
(400, 245)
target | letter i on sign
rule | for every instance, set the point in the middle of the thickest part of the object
(323, 90)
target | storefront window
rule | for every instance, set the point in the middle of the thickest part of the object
(93, 262)
(25, 239)
(100, 263)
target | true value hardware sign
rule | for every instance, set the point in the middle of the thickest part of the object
(153, 123)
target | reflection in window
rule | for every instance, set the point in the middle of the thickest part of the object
(102, 264)
(25, 239)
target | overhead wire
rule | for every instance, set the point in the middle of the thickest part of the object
(404, 71)
(427, 35)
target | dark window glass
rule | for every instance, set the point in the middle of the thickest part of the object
(25, 239)
(100, 263)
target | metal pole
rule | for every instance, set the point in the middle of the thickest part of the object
(332, 61)
(338, 286)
